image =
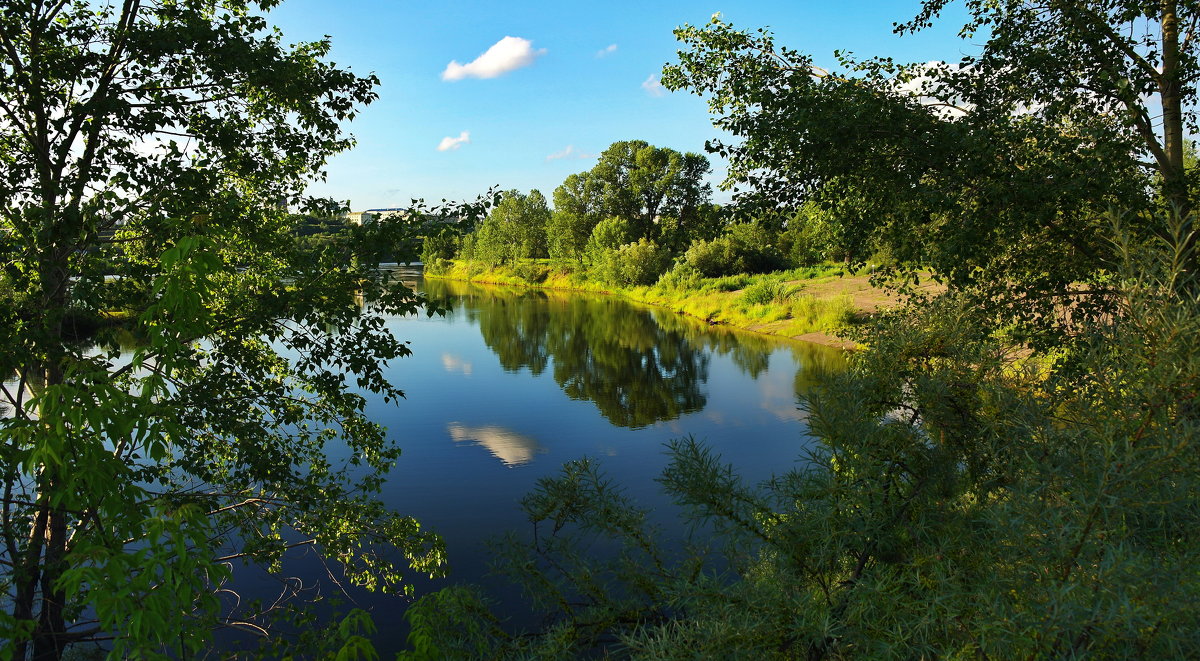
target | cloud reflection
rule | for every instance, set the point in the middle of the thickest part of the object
(509, 447)
(453, 363)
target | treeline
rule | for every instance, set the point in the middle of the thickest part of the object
(641, 212)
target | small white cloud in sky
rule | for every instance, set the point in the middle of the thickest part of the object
(653, 87)
(508, 54)
(450, 144)
(607, 50)
(569, 152)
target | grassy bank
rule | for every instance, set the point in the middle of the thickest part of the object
(795, 303)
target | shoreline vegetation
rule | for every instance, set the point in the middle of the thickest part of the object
(813, 304)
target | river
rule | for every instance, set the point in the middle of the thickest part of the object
(510, 383)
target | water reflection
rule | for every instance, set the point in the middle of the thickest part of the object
(636, 371)
(511, 448)
(455, 364)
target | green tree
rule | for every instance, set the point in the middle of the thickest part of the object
(660, 192)
(641, 182)
(149, 151)
(515, 229)
(577, 209)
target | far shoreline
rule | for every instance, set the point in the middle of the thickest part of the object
(853, 288)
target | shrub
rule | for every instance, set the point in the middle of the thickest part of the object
(731, 282)
(608, 234)
(641, 263)
(744, 248)
(680, 277)
(764, 292)
(530, 272)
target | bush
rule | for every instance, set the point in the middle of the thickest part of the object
(744, 248)
(608, 234)
(532, 273)
(764, 292)
(437, 250)
(641, 263)
(680, 277)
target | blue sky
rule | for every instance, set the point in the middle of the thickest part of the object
(582, 83)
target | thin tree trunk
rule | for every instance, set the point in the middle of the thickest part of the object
(1170, 88)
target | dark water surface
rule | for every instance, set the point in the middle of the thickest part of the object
(511, 383)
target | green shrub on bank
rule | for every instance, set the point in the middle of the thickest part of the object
(744, 248)
(641, 263)
(765, 292)
(680, 277)
(633, 264)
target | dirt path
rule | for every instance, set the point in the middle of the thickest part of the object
(864, 297)
(858, 287)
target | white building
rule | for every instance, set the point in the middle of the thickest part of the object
(360, 217)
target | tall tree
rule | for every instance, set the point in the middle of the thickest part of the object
(641, 183)
(1135, 61)
(577, 209)
(149, 153)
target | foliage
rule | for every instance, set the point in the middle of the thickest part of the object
(767, 291)
(931, 160)
(577, 209)
(439, 247)
(149, 150)
(612, 259)
(437, 622)
(609, 234)
(642, 182)
(744, 248)
(566, 235)
(640, 263)
(680, 277)
(515, 229)
(639, 183)
(599, 254)
(814, 235)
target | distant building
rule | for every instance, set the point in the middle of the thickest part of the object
(360, 217)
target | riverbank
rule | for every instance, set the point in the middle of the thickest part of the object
(815, 304)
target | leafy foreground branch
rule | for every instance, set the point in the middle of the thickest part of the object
(150, 151)
(965, 499)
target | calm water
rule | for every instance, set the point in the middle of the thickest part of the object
(512, 383)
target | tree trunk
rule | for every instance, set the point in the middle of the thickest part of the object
(1175, 188)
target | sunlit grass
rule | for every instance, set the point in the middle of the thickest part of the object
(773, 303)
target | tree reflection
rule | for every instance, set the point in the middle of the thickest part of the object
(605, 351)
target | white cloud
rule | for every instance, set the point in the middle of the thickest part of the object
(653, 87)
(508, 54)
(607, 50)
(569, 152)
(922, 87)
(450, 144)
